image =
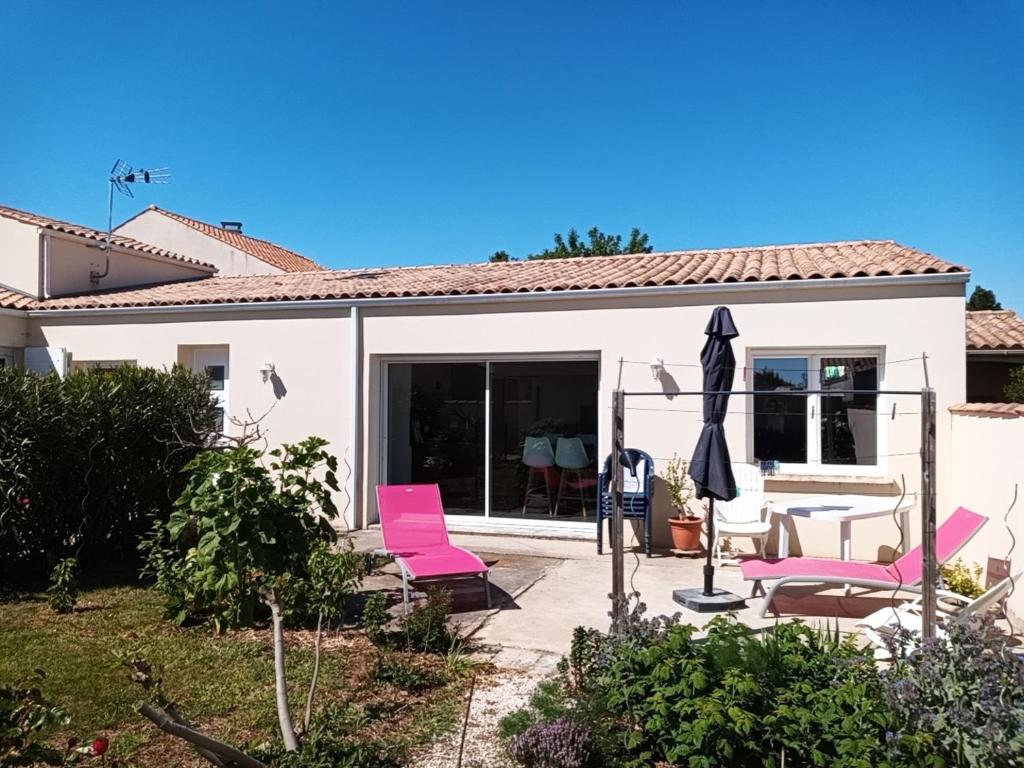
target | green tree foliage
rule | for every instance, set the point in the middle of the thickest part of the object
(1015, 389)
(26, 719)
(572, 246)
(241, 530)
(87, 462)
(982, 298)
(63, 591)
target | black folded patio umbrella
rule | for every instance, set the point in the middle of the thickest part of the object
(710, 467)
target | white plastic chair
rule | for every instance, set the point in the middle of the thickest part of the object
(571, 459)
(539, 458)
(743, 516)
(882, 625)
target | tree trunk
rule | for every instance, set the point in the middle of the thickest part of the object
(284, 715)
(316, 674)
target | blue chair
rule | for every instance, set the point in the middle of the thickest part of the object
(637, 493)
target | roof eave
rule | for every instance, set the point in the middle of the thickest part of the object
(832, 283)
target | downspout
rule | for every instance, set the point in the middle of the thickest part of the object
(355, 427)
(46, 265)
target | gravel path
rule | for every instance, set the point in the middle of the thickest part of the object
(508, 688)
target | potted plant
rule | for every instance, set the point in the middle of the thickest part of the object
(685, 526)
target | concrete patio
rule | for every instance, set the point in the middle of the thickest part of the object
(543, 588)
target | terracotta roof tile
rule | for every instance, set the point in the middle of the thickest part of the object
(1000, 410)
(10, 299)
(272, 254)
(653, 269)
(93, 234)
(995, 329)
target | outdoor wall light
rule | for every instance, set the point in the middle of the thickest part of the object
(657, 368)
(266, 370)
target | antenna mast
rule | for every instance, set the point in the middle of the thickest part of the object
(122, 176)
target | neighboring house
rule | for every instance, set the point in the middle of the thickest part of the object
(995, 346)
(42, 258)
(232, 252)
(436, 374)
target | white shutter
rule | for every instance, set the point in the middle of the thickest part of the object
(44, 360)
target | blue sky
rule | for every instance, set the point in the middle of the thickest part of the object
(403, 133)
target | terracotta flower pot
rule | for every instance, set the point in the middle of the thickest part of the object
(686, 533)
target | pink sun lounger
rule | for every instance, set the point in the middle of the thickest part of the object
(415, 535)
(905, 573)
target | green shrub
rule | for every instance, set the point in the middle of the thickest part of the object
(405, 674)
(426, 627)
(26, 719)
(1014, 391)
(963, 579)
(333, 573)
(964, 695)
(375, 617)
(334, 741)
(240, 530)
(63, 590)
(89, 461)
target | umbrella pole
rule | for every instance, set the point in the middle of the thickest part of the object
(709, 569)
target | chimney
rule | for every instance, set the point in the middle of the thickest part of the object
(231, 226)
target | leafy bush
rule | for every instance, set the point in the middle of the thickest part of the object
(87, 462)
(561, 744)
(964, 694)
(403, 673)
(375, 617)
(332, 576)
(26, 718)
(424, 629)
(963, 579)
(63, 590)
(240, 531)
(332, 742)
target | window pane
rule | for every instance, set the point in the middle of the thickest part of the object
(535, 407)
(216, 374)
(849, 423)
(436, 430)
(780, 420)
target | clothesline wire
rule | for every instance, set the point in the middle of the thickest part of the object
(883, 412)
(773, 368)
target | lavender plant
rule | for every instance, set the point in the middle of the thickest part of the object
(561, 744)
(965, 693)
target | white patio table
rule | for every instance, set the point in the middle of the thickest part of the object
(841, 508)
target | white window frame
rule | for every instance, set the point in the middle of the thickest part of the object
(486, 523)
(200, 360)
(814, 465)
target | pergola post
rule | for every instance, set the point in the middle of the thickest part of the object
(618, 594)
(930, 571)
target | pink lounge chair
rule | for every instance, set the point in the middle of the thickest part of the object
(415, 535)
(905, 573)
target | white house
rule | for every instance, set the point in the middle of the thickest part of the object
(436, 374)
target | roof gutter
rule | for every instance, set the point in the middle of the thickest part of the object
(588, 294)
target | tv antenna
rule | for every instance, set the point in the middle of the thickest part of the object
(122, 177)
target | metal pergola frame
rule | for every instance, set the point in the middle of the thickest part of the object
(928, 553)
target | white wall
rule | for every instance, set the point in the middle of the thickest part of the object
(157, 229)
(988, 461)
(13, 329)
(311, 352)
(903, 323)
(73, 259)
(19, 256)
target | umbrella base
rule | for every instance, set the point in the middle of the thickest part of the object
(718, 600)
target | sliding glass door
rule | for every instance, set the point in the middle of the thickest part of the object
(522, 431)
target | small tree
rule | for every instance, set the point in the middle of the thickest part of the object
(243, 534)
(982, 298)
(1015, 389)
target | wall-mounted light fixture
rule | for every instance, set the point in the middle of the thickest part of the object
(657, 368)
(266, 371)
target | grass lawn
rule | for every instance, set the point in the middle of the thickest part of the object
(224, 684)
